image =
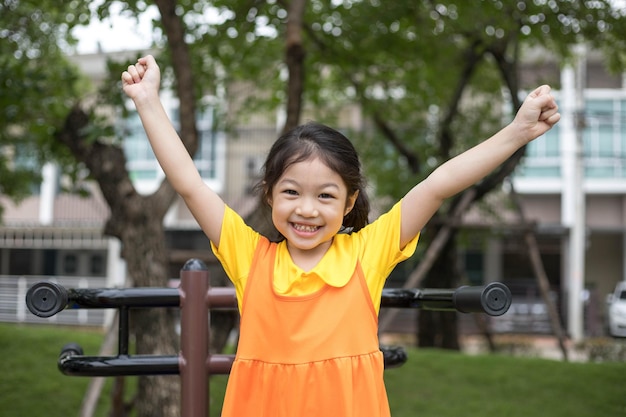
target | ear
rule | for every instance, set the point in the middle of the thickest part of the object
(267, 194)
(350, 201)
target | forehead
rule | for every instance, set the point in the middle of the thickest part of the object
(312, 171)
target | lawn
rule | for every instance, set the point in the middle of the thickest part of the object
(31, 384)
(436, 383)
(432, 382)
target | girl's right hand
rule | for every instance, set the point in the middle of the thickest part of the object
(141, 79)
(538, 113)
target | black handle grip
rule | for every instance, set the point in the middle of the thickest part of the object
(494, 299)
(71, 349)
(45, 299)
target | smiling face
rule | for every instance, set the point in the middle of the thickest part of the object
(309, 202)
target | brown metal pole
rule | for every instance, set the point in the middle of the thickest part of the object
(194, 339)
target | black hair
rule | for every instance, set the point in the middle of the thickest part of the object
(334, 150)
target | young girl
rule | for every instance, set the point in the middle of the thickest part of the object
(309, 303)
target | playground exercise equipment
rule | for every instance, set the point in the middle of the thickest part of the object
(196, 298)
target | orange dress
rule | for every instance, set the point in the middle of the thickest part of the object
(304, 356)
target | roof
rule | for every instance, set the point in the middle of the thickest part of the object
(69, 210)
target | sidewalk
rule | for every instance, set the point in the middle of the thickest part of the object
(544, 346)
(537, 346)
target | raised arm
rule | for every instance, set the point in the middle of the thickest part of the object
(537, 115)
(141, 83)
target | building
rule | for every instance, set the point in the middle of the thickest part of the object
(572, 186)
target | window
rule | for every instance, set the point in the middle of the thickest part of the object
(97, 265)
(70, 264)
(543, 157)
(141, 162)
(604, 143)
(604, 146)
(206, 155)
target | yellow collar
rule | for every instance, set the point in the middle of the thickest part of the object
(334, 269)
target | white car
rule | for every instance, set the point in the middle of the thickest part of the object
(616, 305)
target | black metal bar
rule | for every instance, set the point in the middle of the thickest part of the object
(493, 299)
(74, 363)
(121, 365)
(123, 297)
(45, 299)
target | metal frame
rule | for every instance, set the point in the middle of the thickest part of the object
(196, 298)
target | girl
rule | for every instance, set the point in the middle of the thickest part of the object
(309, 302)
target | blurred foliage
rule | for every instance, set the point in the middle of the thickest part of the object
(38, 87)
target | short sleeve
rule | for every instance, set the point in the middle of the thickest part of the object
(380, 249)
(236, 249)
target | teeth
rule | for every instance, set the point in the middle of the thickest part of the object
(304, 228)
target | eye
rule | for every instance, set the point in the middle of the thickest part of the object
(326, 196)
(290, 192)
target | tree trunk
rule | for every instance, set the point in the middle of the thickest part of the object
(154, 328)
(540, 273)
(138, 222)
(439, 328)
(294, 58)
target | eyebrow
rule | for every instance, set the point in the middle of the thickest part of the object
(321, 186)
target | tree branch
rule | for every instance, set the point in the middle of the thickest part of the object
(107, 165)
(294, 58)
(446, 139)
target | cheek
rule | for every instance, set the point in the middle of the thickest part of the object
(278, 207)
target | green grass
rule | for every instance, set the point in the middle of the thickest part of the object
(432, 383)
(31, 384)
(436, 383)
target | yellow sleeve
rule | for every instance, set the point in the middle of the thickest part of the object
(380, 250)
(237, 244)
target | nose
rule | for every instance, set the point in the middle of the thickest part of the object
(307, 209)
